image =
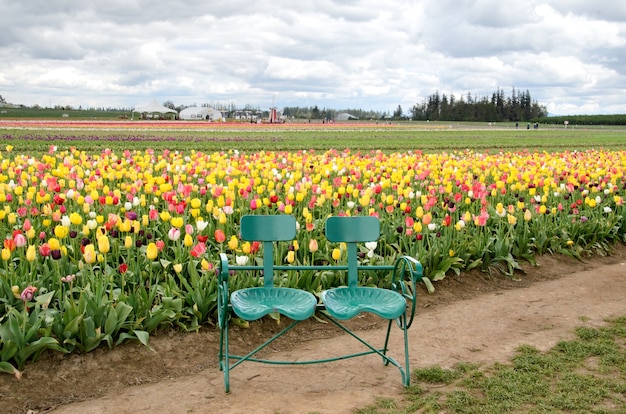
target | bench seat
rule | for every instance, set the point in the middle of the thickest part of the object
(347, 302)
(254, 303)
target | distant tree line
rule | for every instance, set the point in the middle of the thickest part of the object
(574, 120)
(314, 112)
(498, 108)
(518, 107)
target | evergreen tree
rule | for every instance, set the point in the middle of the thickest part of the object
(397, 114)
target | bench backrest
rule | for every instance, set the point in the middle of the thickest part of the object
(268, 229)
(352, 230)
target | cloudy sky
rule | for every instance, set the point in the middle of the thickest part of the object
(569, 54)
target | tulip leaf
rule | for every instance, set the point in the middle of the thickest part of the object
(110, 325)
(10, 369)
(44, 300)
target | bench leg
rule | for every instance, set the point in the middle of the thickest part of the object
(222, 321)
(225, 357)
(386, 347)
(406, 372)
(407, 369)
(382, 352)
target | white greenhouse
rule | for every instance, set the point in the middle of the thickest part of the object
(195, 113)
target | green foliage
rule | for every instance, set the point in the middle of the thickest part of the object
(574, 121)
(498, 108)
(404, 137)
(58, 113)
(25, 335)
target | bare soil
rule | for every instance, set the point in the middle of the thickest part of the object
(475, 317)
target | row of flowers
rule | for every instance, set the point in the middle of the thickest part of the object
(104, 247)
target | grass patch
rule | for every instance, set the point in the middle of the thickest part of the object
(583, 375)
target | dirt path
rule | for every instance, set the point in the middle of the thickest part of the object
(487, 328)
(482, 328)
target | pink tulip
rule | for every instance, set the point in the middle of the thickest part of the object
(198, 250)
(173, 234)
(481, 219)
(20, 240)
(28, 293)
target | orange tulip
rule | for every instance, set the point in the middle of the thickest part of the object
(219, 236)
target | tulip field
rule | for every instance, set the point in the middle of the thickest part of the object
(110, 232)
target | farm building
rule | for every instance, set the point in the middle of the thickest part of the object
(153, 110)
(344, 116)
(200, 113)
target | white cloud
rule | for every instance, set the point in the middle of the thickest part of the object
(570, 54)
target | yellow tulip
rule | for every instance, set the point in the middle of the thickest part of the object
(76, 218)
(528, 215)
(90, 254)
(54, 244)
(233, 243)
(419, 212)
(31, 253)
(336, 254)
(125, 225)
(177, 222)
(467, 217)
(128, 242)
(500, 210)
(195, 203)
(245, 247)
(178, 267)
(188, 240)
(151, 251)
(104, 245)
(165, 216)
(6, 254)
(205, 264)
(291, 256)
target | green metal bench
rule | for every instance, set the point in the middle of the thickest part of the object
(335, 304)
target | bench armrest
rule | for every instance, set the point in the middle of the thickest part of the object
(406, 273)
(222, 291)
(223, 270)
